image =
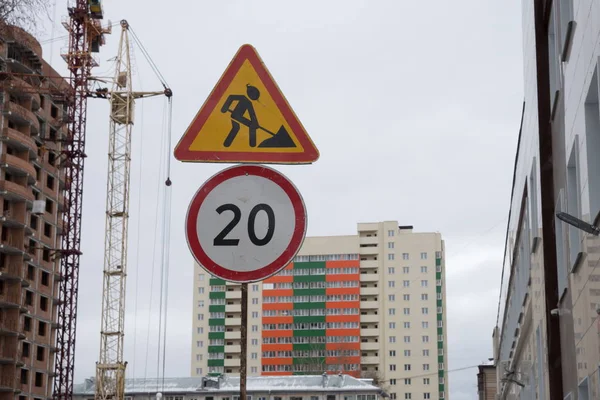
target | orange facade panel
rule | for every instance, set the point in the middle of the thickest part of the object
(277, 347)
(277, 333)
(343, 290)
(342, 304)
(279, 279)
(277, 361)
(279, 373)
(343, 332)
(342, 360)
(278, 292)
(343, 346)
(342, 318)
(342, 264)
(278, 306)
(278, 320)
(343, 277)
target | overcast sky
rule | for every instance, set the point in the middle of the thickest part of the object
(414, 106)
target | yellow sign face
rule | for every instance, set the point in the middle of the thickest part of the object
(246, 118)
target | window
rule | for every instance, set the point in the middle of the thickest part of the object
(255, 288)
(405, 283)
(406, 325)
(392, 381)
(47, 229)
(392, 367)
(43, 303)
(254, 328)
(592, 138)
(407, 367)
(425, 353)
(28, 298)
(199, 330)
(426, 395)
(424, 324)
(407, 396)
(406, 297)
(390, 233)
(392, 396)
(424, 296)
(392, 325)
(423, 270)
(390, 245)
(24, 376)
(405, 270)
(201, 277)
(407, 381)
(40, 356)
(573, 202)
(391, 284)
(26, 350)
(440, 324)
(200, 290)
(198, 371)
(50, 182)
(425, 310)
(405, 256)
(391, 256)
(45, 278)
(254, 314)
(254, 342)
(406, 353)
(391, 297)
(200, 343)
(201, 303)
(407, 311)
(406, 339)
(200, 317)
(424, 283)
(254, 370)
(425, 339)
(49, 206)
(392, 353)
(27, 324)
(30, 272)
(425, 367)
(426, 381)
(392, 339)
(392, 311)
(391, 270)
(423, 256)
(39, 379)
(255, 300)
(254, 356)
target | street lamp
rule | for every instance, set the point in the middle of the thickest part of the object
(577, 223)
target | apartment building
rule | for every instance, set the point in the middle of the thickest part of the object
(32, 119)
(371, 305)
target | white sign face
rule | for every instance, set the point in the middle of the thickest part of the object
(246, 223)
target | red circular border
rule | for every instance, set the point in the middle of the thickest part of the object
(262, 273)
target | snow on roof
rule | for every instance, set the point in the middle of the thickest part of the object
(232, 383)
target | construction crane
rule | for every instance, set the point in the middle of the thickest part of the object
(86, 35)
(110, 368)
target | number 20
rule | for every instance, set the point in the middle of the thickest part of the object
(220, 239)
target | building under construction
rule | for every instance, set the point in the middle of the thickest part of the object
(33, 121)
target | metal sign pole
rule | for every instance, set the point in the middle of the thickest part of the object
(244, 342)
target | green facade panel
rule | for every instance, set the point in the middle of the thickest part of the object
(438, 289)
(441, 374)
(308, 346)
(216, 349)
(440, 359)
(440, 345)
(439, 303)
(315, 332)
(216, 335)
(439, 317)
(309, 278)
(311, 360)
(216, 282)
(216, 321)
(310, 292)
(309, 306)
(441, 388)
(438, 262)
(216, 363)
(438, 275)
(216, 295)
(312, 318)
(216, 308)
(309, 264)
(440, 331)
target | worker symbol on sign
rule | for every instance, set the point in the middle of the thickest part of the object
(238, 116)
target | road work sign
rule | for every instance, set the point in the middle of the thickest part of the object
(246, 119)
(246, 223)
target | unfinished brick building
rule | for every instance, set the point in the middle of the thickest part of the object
(32, 103)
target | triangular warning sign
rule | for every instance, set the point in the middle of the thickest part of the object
(246, 118)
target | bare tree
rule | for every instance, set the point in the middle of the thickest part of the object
(25, 14)
(315, 360)
(376, 376)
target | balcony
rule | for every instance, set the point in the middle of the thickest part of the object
(14, 217)
(8, 379)
(369, 360)
(233, 335)
(232, 362)
(369, 291)
(233, 295)
(9, 326)
(22, 115)
(18, 167)
(374, 332)
(12, 300)
(372, 250)
(369, 240)
(369, 278)
(20, 141)
(14, 192)
(24, 90)
(233, 349)
(365, 264)
(369, 305)
(369, 346)
(233, 321)
(236, 308)
(369, 318)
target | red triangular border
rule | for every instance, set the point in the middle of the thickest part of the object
(246, 52)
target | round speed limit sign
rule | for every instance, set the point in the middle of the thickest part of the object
(246, 223)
